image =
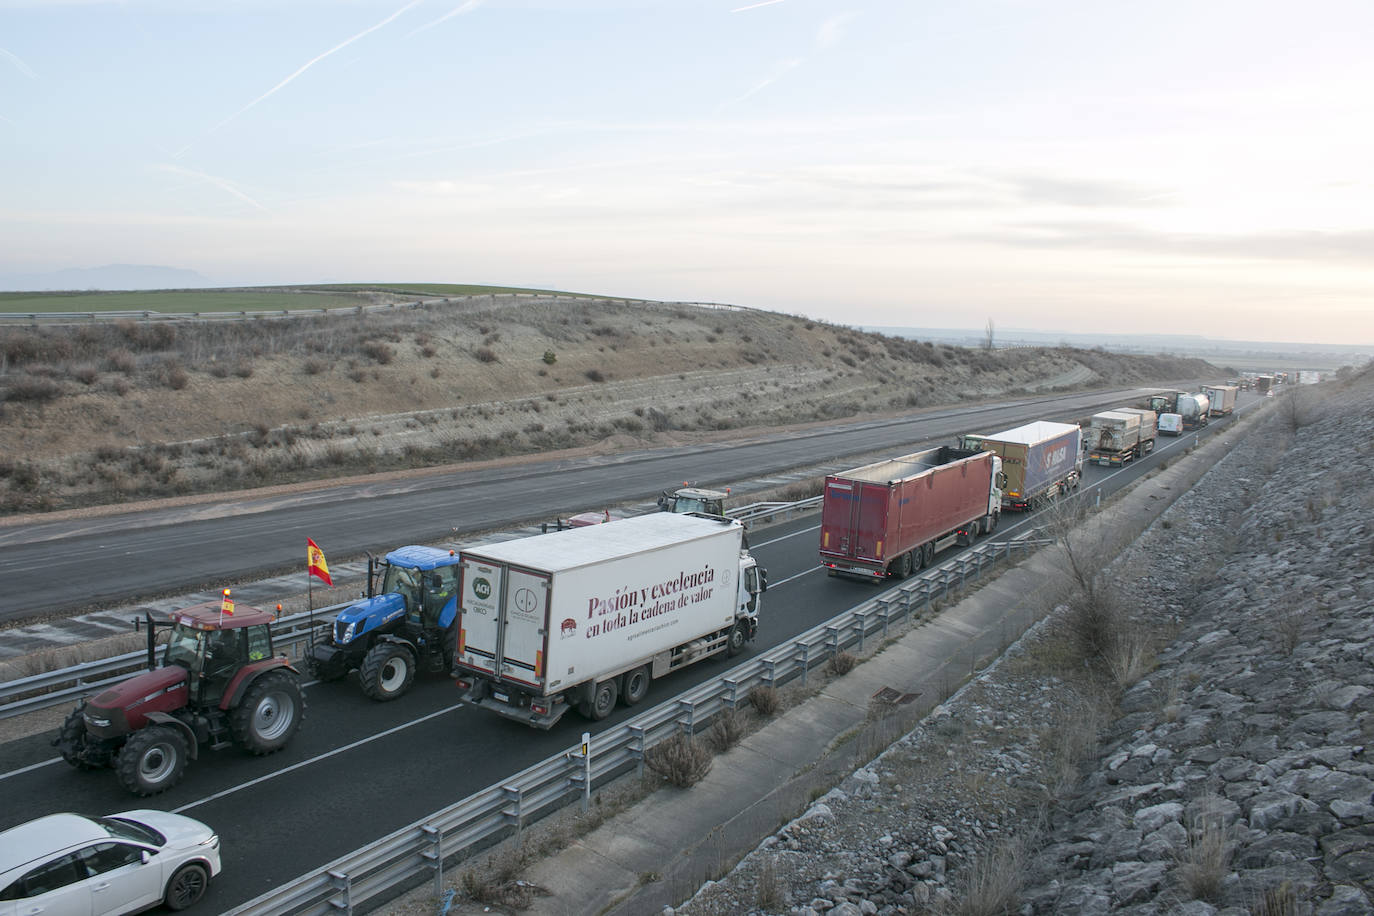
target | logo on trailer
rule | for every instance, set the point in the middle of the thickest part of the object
(569, 627)
(481, 588)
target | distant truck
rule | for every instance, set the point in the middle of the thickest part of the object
(1195, 409)
(1117, 437)
(579, 619)
(1170, 424)
(1264, 384)
(1040, 460)
(890, 518)
(1222, 398)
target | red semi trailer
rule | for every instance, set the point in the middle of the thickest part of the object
(890, 518)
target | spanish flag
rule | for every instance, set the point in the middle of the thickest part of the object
(314, 561)
(226, 605)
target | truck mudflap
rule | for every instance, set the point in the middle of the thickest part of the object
(539, 712)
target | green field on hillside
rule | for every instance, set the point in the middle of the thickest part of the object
(252, 299)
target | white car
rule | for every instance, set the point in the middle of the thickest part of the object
(66, 864)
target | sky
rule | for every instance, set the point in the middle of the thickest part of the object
(1198, 167)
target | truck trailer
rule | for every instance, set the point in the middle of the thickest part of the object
(588, 616)
(1222, 399)
(890, 518)
(1039, 460)
(1114, 437)
(1194, 409)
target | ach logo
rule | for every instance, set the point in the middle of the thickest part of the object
(481, 588)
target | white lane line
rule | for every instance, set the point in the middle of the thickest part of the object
(306, 763)
(786, 536)
(32, 766)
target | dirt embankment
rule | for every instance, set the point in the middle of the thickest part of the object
(110, 413)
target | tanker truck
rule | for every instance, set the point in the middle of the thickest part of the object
(890, 518)
(583, 618)
(1193, 408)
(1040, 460)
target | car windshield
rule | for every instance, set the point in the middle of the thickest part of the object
(124, 829)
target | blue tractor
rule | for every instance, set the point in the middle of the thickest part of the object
(407, 625)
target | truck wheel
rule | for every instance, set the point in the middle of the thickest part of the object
(734, 643)
(636, 686)
(901, 567)
(387, 672)
(990, 523)
(269, 713)
(152, 760)
(601, 703)
(76, 747)
(187, 886)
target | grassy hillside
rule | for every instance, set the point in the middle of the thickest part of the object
(122, 410)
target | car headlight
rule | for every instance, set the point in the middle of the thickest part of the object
(212, 843)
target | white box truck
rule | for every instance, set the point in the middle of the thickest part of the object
(588, 616)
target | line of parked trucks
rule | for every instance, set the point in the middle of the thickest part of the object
(582, 618)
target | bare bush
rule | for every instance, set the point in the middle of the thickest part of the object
(726, 731)
(1280, 900)
(1205, 862)
(30, 388)
(485, 355)
(768, 893)
(595, 375)
(992, 886)
(841, 663)
(765, 700)
(680, 760)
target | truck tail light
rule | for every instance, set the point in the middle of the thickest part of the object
(463, 683)
(540, 708)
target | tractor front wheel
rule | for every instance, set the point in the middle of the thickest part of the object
(269, 713)
(387, 672)
(152, 760)
(76, 746)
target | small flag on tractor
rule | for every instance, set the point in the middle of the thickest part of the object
(314, 561)
(226, 605)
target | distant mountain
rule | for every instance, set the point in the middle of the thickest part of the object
(109, 277)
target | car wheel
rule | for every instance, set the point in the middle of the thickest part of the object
(269, 713)
(636, 686)
(187, 886)
(387, 671)
(152, 760)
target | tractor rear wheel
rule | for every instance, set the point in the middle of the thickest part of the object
(387, 671)
(152, 760)
(269, 713)
(76, 746)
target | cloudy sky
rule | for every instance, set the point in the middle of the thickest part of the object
(1192, 167)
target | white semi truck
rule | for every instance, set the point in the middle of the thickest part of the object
(579, 619)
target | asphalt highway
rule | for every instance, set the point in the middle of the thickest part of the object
(53, 566)
(358, 770)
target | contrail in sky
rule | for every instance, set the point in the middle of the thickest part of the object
(221, 183)
(23, 67)
(467, 6)
(754, 6)
(310, 63)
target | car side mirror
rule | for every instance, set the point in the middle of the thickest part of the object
(147, 856)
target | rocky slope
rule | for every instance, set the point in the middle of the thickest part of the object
(1211, 760)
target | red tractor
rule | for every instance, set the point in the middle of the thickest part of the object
(219, 684)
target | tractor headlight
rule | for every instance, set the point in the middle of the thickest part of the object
(348, 633)
(96, 721)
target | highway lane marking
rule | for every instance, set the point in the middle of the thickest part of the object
(32, 766)
(312, 760)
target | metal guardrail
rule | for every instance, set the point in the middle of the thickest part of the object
(55, 688)
(423, 847)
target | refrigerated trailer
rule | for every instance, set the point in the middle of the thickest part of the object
(890, 518)
(1222, 399)
(1039, 460)
(585, 617)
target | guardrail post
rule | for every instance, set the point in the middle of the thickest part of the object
(861, 618)
(805, 660)
(514, 814)
(344, 884)
(689, 725)
(638, 750)
(732, 692)
(770, 672)
(436, 855)
(832, 639)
